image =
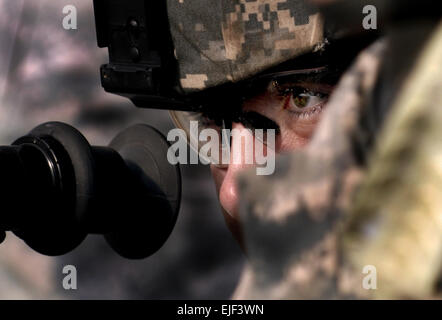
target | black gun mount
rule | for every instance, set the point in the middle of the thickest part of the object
(57, 189)
(142, 65)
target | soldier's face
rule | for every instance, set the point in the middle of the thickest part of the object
(294, 114)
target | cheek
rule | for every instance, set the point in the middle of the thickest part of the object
(290, 140)
(303, 127)
(296, 134)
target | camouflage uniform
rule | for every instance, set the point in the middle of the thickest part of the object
(367, 188)
(302, 204)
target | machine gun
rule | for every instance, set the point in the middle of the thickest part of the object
(58, 188)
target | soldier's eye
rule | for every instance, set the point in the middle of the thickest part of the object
(301, 102)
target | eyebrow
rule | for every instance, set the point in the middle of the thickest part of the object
(256, 121)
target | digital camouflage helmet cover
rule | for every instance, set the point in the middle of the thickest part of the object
(228, 41)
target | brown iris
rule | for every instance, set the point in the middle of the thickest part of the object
(301, 100)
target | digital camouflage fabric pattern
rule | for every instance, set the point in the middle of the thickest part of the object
(400, 199)
(292, 218)
(230, 40)
(366, 191)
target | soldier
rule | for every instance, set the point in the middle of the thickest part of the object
(256, 65)
(305, 234)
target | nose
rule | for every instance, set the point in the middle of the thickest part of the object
(241, 145)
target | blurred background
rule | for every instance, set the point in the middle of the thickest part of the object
(48, 73)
